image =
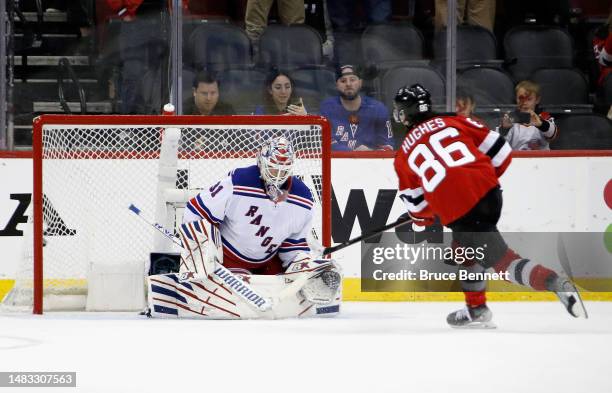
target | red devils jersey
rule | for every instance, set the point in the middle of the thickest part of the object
(447, 164)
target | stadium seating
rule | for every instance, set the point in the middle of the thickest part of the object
(584, 131)
(290, 46)
(243, 88)
(188, 77)
(391, 44)
(531, 47)
(489, 86)
(407, 75)
(607, 90)
(347, 48)
(561, 86)
(218, 46)
(314, 84)
(475, 45)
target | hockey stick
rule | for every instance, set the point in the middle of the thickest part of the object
(365, 236)
(239, 287)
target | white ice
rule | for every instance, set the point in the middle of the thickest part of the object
(371, 347)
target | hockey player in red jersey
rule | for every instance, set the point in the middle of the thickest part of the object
(448, 166)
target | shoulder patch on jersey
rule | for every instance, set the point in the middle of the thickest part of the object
(248, 177)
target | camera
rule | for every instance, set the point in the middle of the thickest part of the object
(520, 117)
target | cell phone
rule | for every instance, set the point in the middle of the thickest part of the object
(520, 117)
(297, 101)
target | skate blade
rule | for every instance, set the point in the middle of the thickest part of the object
(578, 310)
(477, 325)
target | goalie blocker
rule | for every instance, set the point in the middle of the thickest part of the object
(201, 288)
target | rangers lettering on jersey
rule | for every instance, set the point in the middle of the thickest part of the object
(255, 231)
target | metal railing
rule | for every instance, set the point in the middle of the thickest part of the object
(65, 70)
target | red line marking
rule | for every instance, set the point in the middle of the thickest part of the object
(197, 284)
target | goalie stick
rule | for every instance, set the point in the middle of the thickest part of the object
(241, 288)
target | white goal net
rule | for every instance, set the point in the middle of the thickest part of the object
(95, 167)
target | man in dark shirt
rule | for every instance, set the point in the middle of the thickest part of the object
(206, 97)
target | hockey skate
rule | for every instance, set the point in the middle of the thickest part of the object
(471, 318)
(568, 294)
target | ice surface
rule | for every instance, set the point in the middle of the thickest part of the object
(371, 347)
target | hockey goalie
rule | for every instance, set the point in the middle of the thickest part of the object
(245, 250)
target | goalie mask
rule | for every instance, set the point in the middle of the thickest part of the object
(275, 161)
(411, 104)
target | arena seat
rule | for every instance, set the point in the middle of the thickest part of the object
(475, 45)
(243, 88)
(314, 84)
(397, 77)
(583, 131)
(561, 86)
(489, 86)
(218, 46)
(531, 47)
(290, 46)
(389, 44)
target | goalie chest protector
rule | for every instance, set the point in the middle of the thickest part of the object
(253, 228)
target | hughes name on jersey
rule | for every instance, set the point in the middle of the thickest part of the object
(258, 235)
(444, 154)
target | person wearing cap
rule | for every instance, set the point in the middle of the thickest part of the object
(358, 122)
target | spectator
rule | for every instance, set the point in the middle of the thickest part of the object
(465, 105)
(602, 46)
(526, 129)
(472, 12)
(257, 11)
(278, 96)
(137, 34)
(317, 17)
(343, 16)
(358, 122)
(206, 97)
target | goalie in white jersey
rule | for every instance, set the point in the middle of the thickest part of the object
(255, 223)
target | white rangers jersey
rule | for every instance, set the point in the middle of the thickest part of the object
(254, 229)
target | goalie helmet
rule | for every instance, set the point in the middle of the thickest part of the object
(411, 104)
(275, 161)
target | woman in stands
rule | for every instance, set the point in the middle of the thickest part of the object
(279, 98)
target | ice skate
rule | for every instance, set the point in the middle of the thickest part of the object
(471, 318)
(570, 297)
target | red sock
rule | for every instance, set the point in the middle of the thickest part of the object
(475, 299)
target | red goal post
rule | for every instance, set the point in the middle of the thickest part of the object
(85, 168)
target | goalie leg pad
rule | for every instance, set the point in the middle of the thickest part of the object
(201, 247)
(169, 297)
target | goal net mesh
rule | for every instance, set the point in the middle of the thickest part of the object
(93, 173)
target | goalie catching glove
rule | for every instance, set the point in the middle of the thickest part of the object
(324, 278)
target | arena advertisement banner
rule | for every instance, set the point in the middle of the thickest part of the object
(541, 195)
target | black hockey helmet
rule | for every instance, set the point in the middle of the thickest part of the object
(411, 104)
